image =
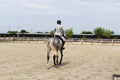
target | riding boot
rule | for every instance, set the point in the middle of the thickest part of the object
(63, 45)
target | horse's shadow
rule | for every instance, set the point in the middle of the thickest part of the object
(64, 63)
(60, 65)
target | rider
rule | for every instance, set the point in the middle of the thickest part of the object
(59, 32)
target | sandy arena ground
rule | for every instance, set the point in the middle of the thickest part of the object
(27, 61)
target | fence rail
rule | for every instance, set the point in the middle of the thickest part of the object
(72, 40)
(94, 41)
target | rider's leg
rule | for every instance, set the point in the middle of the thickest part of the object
(63, 45)
(63, 41)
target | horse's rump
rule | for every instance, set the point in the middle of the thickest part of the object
(54, 42)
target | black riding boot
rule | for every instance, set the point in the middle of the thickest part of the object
(63, 45)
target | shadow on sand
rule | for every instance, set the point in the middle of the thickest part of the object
(62, 64)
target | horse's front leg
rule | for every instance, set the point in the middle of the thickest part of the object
(61, 52)
(48, 57)
(57, 59)
(54, 59)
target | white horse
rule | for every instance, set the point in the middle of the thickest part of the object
(53, 46)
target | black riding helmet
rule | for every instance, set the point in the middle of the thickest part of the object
(58, 21)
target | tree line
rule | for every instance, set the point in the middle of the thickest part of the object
(99, 32)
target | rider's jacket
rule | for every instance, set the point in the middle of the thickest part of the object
(59, 30)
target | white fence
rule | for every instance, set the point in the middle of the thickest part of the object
(72, 40)
(94, 41)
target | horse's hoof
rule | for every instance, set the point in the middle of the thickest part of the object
(59, 63)
(56, 66)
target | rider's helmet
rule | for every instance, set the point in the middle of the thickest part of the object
(58, 21)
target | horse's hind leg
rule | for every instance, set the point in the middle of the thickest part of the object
(48, 57)
(61, 52)
(55, 57)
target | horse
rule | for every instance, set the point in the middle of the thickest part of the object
(53, 46)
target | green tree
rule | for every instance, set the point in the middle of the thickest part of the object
(103, 32)
(112, 32)
(87, 32)
(107, 33)
(46, 32)
(52, 32)
(69, 32)
(39, 32)
(23, 31)
(99, 31)
(12, 32)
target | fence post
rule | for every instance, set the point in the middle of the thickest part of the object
(112, 42)
(91, 41)
(101, 41)
(81, 41)
(45, 39)
(28, 39)
(37, 39)
(72, 40)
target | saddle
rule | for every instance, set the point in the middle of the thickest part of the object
(61, 40)
(58, 37)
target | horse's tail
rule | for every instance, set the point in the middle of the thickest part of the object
(48, 51)
(52, 45)
(51, 49)
(48, 45)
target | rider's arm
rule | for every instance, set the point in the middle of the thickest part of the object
(62, 31)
